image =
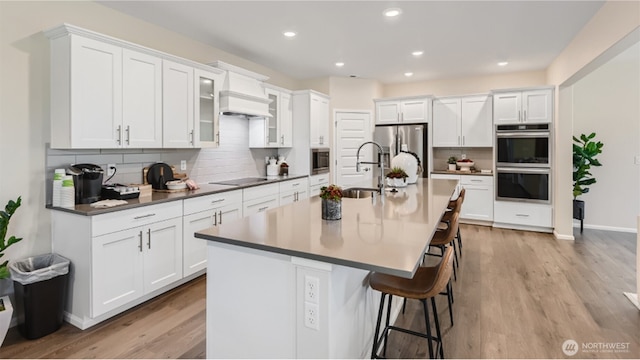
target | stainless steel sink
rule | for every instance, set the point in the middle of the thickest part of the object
(358, 193)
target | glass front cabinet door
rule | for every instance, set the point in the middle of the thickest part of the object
(207, 132)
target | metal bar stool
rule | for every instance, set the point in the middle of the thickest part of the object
(425, 284)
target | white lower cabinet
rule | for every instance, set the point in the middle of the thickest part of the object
(201, 213)
(260, 198)
(316, 182)
(293, 190)
(130, 263)
(521, 214)
(478, 200)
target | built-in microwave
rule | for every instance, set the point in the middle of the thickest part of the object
(523, 145)
(320, 162)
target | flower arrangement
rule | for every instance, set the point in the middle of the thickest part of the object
(397, 173)
(331, 192)
(452, 160)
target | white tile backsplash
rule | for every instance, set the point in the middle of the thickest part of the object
(232, 159)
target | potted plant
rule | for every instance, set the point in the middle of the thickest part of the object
(6, 310)
(452, 163)
(331, 202)
(397, 177)
(585, 150)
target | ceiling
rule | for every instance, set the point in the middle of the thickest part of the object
(459, 38)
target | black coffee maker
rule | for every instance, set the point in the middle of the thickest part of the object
(87, 180)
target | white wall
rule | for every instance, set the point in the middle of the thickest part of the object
(606, 102)
(467, 85)
(612, 23)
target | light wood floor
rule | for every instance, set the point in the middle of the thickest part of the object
(518, 295)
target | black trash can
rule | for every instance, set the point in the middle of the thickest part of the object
(40, 285)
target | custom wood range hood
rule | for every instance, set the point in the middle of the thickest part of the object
(242, 92)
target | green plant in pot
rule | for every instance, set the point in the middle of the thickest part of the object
(452, 163)
(585, 150)
(6, 310)
(5, 216)
(397, 177)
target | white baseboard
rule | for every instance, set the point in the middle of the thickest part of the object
(559, 236)
(633, 298)
(576, 224)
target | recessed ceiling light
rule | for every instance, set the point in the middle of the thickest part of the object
(392, 12)
(339, 64)
(417, 53)
(408, 74)
(503, 63)
(289, 34)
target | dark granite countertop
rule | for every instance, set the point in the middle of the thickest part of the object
(161, 197)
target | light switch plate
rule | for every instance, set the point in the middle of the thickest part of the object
(183, 165)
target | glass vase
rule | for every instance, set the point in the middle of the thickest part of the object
(331, 209)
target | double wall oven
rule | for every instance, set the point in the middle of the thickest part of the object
(523, 163)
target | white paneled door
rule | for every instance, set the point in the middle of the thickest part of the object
(352, 129)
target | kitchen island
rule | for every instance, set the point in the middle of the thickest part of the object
(287, 284)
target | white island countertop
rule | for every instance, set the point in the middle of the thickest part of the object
(388, 236)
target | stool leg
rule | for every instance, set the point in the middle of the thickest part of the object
(460, 242)
(386, 328)
(450, 300)
(455, 253)
(426, 319)
(404, 304)
(435, 320)
(375, 336)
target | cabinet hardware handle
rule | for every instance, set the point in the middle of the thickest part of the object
(217, 201)
(218, 138)
(462, 139)
(192, 137)
(458, 139)
(524, 119)
(282, 139)
(475, 180)
(119, 139)
(140, 243)
(519, 120)
(215, 219)
(263, 208)
(220, 223)
(128, 131)
(522, 215)
(149, 243)
(296, 184)
(143, 216)
(296, 196)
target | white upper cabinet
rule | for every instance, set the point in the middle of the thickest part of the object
(108, 93)
(462, 122)
(446, 122)
(207, 108)
(141, 100)
(275, 131)
(86, 98)
(177, 105)
(319, 121)
(527, 106)
(403, 110)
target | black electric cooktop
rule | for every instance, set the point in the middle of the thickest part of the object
(242, 181)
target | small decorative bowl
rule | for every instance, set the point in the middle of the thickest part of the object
(176, 185)
(465, 165)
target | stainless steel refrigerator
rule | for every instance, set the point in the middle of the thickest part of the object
(391, 138)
